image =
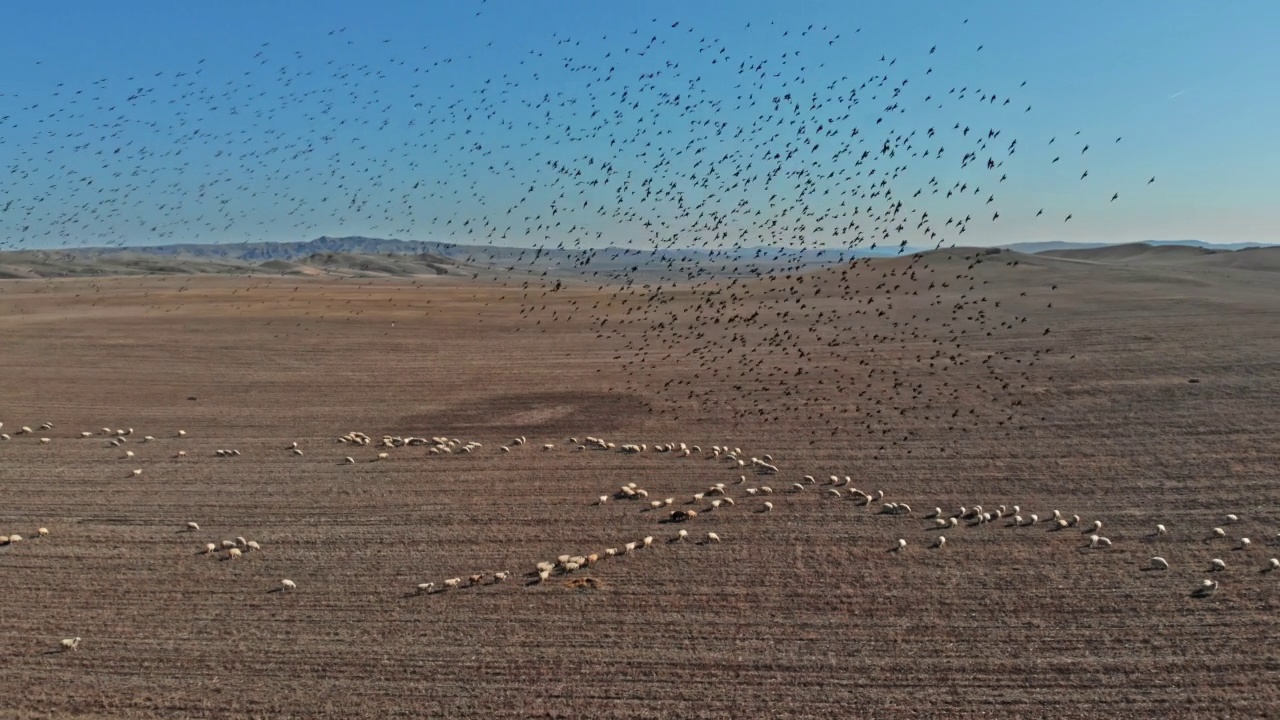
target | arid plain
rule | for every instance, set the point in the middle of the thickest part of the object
(802, 612)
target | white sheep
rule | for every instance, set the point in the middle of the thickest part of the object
(682, 535)
(452, 583)
(1207, 588)
(1245, 543)
(426, 587)
(210, 548)
(1097, 525)
(233, 553)
(1159, 563)
(902, 544)
(192, 527)
(712, 537)
(1216, 565)
(42, 532)
(287, 585)
(70, 643)
(1218, 532)
(768, 507)
(1272, 565)
(1233, 518)
(648, 541)
(1161, 530)
(942, 540)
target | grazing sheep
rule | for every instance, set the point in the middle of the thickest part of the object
(902, 544)
(86, 434)
(1272, 565)
(648, 541)
(1159, 563)
(233, 553)
(682, 535)
(136, 473)
(287, 584)
(70, 643)
(180, 454)
(940, 523)
(610, 552)
(942, 540)
(766, 489)
(192, 527)
(252, 545)
(210, 548)
(712, 537)
(42, 532)
(1017, 520)
(349, 460)
(1095, 527)
(683, 515)
(426, 587)
(630, 547)
(381, 456)
(1233, 518)
(1216, 565)
(501, 576)
(45, 441)
(15, 538)
(768, 507)
(227, 544)
(1244, 543)
(1075, 520)
(1207, 588)
(182, 433)
(1160, 530)
(1218, 532)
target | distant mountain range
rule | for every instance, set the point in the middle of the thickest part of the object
(1038, 247)
(383, 257)
(357, 245)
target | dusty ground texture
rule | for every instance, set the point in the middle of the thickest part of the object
(801, 612)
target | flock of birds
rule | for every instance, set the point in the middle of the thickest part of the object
(709, 502)
(693, 178)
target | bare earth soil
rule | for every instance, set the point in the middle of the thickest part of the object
(802, 612)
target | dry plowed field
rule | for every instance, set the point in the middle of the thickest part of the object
(805, 611)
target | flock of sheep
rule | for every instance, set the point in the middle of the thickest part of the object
(716, 498)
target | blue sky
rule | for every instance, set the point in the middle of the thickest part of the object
(288, 120)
